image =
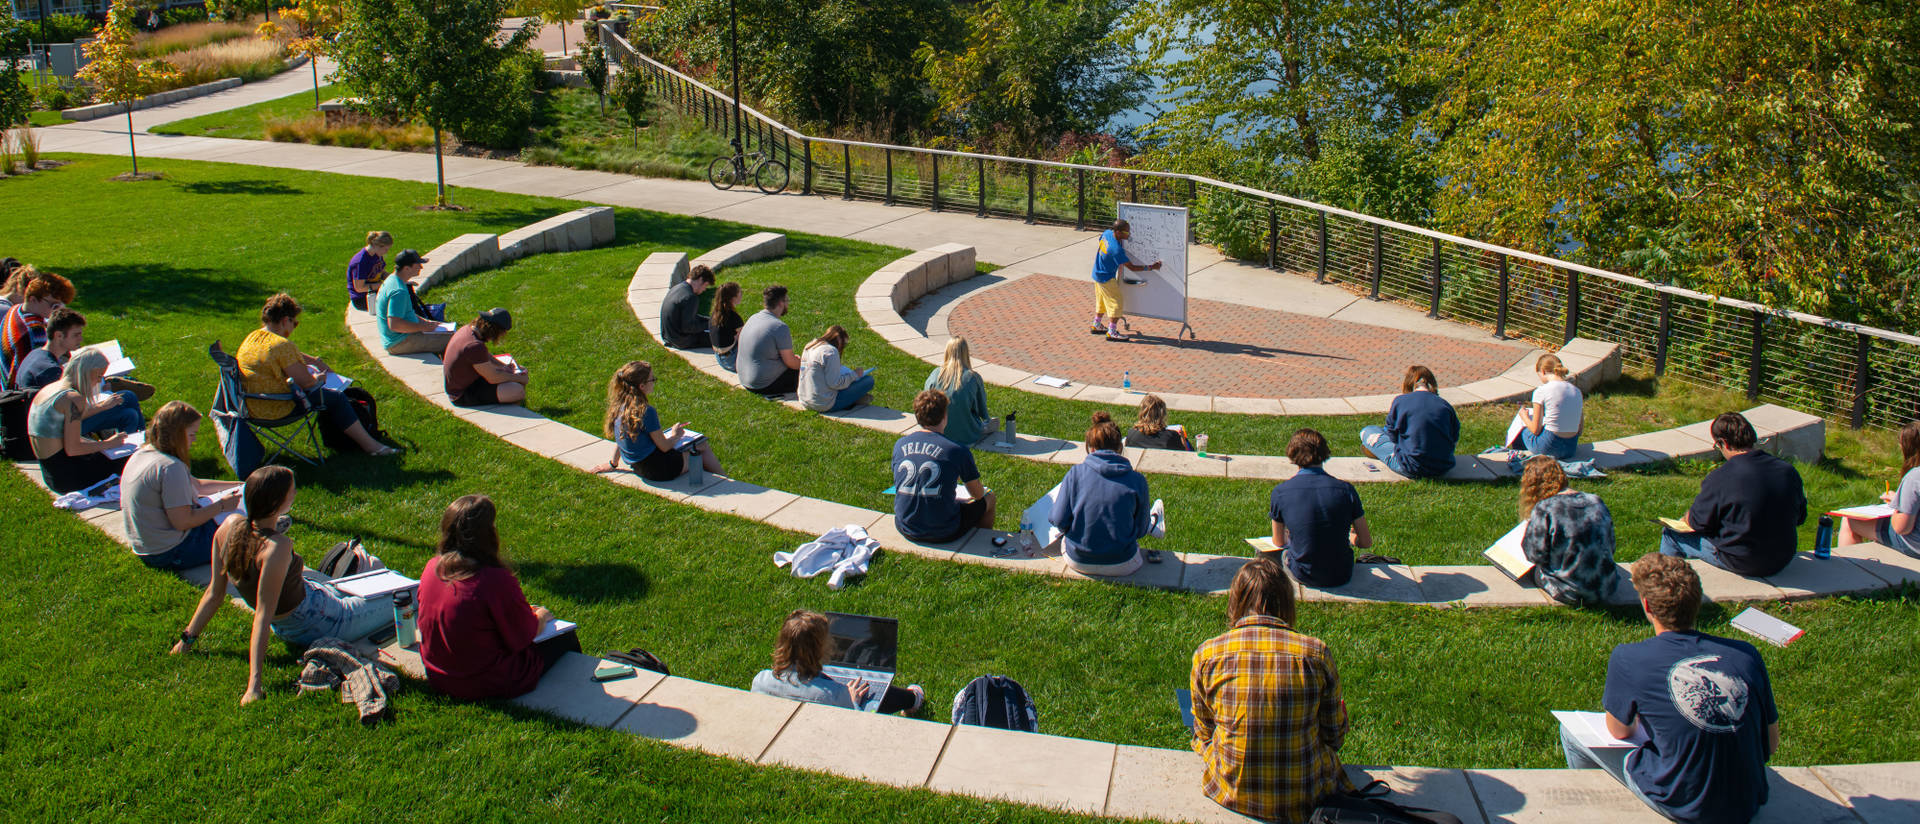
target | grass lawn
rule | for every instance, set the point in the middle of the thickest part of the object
(248, 122)
(46, 118)
(95, 709)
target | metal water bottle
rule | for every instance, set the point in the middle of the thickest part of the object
(696, 469)
(405, 633)
(1006, 434)
(1823, 538)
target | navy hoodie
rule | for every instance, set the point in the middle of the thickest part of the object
(1424, 432)
(1103, 509)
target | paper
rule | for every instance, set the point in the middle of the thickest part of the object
(1513, 434)
(1263, 543)
(205, 501)
(552, 628)
(1767, 628)
(335, 381)
(132, 445)
(1048, 380)
(1507, 556)
(688, 438)
(1674, 524)
(117, 364)
(374, 584)
(507, 361)
(1870, 512)
(1039, 518)
(1590, 728)
(446, 327)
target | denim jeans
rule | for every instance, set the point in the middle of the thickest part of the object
(192, 551)
(123, 417)
(1689, 545)
(847, 397)
(1549, 444)
(1375, 439)
(727, 360)
(326, 612)
(1611, 759)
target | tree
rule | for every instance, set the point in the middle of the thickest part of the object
(117, 73)
(314, 23)
(16, 102)
(439, 60)
(631, 94)
(558, 12)
(593, 66)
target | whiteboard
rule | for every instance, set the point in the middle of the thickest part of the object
(1159, 235)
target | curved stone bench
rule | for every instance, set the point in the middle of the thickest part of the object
(759, 246)
(1085, 776)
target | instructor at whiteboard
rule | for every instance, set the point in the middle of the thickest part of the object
(1108, 305)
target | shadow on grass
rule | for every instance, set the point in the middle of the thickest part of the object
(1630, 385)
(179, 290)
(240, 187)
(587, 583)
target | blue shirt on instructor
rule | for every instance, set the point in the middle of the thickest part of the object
(1107, 259)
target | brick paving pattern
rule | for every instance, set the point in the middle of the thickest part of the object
(1039, 324)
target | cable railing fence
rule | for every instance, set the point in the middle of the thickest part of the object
(1861, 375)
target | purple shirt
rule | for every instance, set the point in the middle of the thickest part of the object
(365, 266)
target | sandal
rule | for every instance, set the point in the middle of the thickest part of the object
(384, 451)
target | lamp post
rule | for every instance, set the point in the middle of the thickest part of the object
(733, 24)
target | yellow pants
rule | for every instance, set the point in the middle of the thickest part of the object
(1107, 301)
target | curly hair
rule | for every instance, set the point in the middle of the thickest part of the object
(1670, 588)
(278, 308)
(1542, 479)
(802, 646)
(627, 400)
(930, 408)
(1153, 415)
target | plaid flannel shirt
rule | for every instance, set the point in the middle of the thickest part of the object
(1267, 720)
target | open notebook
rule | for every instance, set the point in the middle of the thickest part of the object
(1590, 728)
(1507, 556)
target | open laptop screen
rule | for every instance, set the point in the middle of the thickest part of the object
(864, 642)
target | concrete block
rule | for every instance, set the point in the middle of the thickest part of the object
(1788, 433)
(1248, 406)
(888, 534)
(1263, 467)
(1796, 796)
(1889, 565)
(1720, 585)
(552, 439)
(1176, 462)
(1372, 583)
(1044, 770)
(1557, 796)
(1026, 446)
(1425, 787)
(1468, 468)
(1313, 406)
(1211, 574)
(569, 691)
(1807, 576)
(1183, 402)
(579, 230)
(746, 500)
(601, 220)
(661, 269)
(938, 271)
(1001, 375)
(979, 549)
(1371, 404)
(1162, 785)
(1878, 793)
(502, 419)
(1669, 444)
(885, 749)
(1612, 455)
(1168, 574)
(1475, 586)
(813, 517)
(716, 719)
(883, 418)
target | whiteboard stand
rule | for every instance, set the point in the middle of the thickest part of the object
(1160, 234)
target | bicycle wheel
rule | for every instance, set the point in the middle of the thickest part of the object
(720, 173)
(771, 177)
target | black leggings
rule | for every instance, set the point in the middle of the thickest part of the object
(897, 699)
(70, 473)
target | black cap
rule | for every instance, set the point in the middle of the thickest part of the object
(498, 317)
(407, 257)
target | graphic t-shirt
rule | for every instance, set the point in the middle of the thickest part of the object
(926, 468)
(1705, 704)
(1108, 257)
(395, 301)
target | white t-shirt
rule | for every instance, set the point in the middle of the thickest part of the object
(152, 483)
(1560, 406)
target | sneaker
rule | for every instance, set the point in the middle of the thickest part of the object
(1098, 330)
(919, 698)
(1154, 556)
(1114, 335)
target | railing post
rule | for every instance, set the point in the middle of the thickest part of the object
(1080, 199)
(1273, 238)
(980, 166)
(1573, 307)
(889, 199)
(1378, 254)
(936, 181)
(1192, 231)
(1862, 351)
(1754, 362)
(846, 164)
(1665, 336)
(1030, 168)
(1133, 188)
(1320, 273)
(1433, 302)
(1500, 311)
(806, 166)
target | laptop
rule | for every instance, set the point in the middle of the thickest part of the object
(865, 648)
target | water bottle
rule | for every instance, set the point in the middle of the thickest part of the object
(405, 633)
(1200, 445)
(696, 469)
(1006, 435)
(1823, 538)
(1126, 380)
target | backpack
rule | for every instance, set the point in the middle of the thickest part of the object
(13, 425)
(1365, 806)
(640, 658)
(349, 557)
(996, 701)
(365, 409)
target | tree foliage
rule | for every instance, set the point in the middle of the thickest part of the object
(314, 25)
(16, 102)
(593, 66)
(631, 94)
(118, 75)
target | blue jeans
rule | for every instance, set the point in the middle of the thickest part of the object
(192, 551)
(328, 613)
(847, 397)
(1549, 444)
(1611, 759)
(1689, 545)
(727, 360)
(123, 417)
(1375, 439)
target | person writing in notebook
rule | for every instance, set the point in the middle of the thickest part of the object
(477, 630)
(1317, 518)
(927, 469)
(1704, 703)
(1898, 530)
(1745, 519)
(268, 359)
(403, 331)
(472, 375)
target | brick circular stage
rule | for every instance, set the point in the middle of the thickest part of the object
(1039, 323)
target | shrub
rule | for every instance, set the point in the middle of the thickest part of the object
(368, 134)
(65, 28)
(184, 15)
(175, 39)
(512, 99)
(248, 59)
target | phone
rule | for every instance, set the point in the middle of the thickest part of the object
(1000, 541)
(613, 672)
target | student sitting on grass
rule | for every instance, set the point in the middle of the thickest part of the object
(1268, 719)
(633, 422)
(1551, 421)
(472, 375)
(254, 554)
(1103, 508)
(1897, 531)
(767, 363)
(476, 627)
(367, 268)
(826, 384)
(268, 359)
(107, 412)
(1317, 519)
(24, 328)
(69, 462)
(681, 324)
(800, 658)
(726, 323)
(967, 417)
(1421, 432)
(1150, 429)
(403, 331)
(1746, 518)
(1705, 704)
(1569, 537)
(927, 468)
(159, 495)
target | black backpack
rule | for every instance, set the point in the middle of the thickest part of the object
(364, 408)
(640, 658)
(13, 425)
(349, 557)
(1365, 806)
(996, 701)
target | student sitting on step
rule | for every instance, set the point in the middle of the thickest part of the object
(159, 496)
(24, 327)
(766, 360)
(1268, 719)
(927, 469)
(1103, 508)
(1150, 429)
(633, 422)
(1746, 518)
(681, 324)
(800, 658)
(116, 410)
(69, 462)
(473, 376)
(1551, 421)
(1704, 703)
(476, 627)
(1569, 537)
(726, 323)
(268, 359)
(255, 556)
(826, 384)
(1898, 531)
(1317, 518)
(967, 417)
(367, 268)
(403, 329)
(1422, 429)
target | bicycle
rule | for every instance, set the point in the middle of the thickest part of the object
(767, 174)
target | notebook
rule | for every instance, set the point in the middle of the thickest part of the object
(1040, 515)
(1767, 628)
(865, 648)
(1262, 543)
(554, 627)
(1870, 512)
(335, 381)
(1590, 728)
(1048, 380)
(1506, 555)
(507, 361)
(374, 584)
(209, 500)
(117, 363)
(133, 443)
(1674, 524)
(448, 328)
(688, 438)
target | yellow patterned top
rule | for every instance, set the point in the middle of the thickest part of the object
(1268, 720)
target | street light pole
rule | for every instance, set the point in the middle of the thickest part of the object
(733, 18)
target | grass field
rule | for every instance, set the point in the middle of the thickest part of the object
(248, 122)
(100, 723)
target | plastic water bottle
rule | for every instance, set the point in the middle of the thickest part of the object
(1823, 538)
(405, 633)
(1200, 445)
(1126, 380)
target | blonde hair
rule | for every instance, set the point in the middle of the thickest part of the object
(83, 363)
(1550, 364)
(167, 432)
(627, 400)
(378, 238)
(1541, 479)
(1153, 415)
(954, 368)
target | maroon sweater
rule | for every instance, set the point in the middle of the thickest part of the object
(476, 635)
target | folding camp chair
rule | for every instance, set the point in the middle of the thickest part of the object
(277, 436)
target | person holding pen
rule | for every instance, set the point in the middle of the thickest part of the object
(1899, 529)
(1108, 302)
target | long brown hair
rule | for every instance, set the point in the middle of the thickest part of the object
(169, 427)
(1153, 415)
(1541, 479)
(726, 304)
(1103, 434)
(1909, 447)
(627, 400)
(1418, 376)
(468, 540)
(266, 489)
(802, 646)
(834, 335)
(1261, 587)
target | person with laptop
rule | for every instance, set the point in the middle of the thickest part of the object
(800, 657)
(477, 630)
(1745, 519)
(1704, 703)
(927, 469)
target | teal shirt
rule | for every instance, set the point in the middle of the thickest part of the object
(393, 302)
(966, 407)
